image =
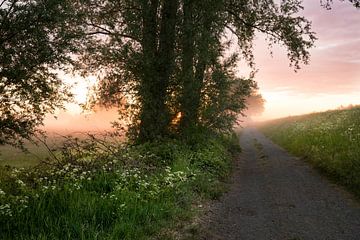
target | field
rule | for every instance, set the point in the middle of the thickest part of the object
(15, 157)
(329, 140)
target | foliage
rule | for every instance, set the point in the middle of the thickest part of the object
(159, 59)
(328, 3)
(224, 96)
(128, 192)
(35, 39)
(330, 140)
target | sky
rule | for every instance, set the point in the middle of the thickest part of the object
(331, 79)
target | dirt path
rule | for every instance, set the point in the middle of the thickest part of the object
(277, 196)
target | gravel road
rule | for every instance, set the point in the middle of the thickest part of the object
(274, 195)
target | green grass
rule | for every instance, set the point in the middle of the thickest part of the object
(17, 158)
(138, 192)
(329, 140)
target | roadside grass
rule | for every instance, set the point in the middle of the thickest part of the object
(130, 192)
(329, 140)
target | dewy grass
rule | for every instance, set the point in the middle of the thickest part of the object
(330, 140)
(135, 193)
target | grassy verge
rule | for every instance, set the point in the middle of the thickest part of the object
(329, 140)
(128, 192)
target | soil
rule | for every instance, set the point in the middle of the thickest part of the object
(274, 195)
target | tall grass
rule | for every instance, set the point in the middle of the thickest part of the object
(330, 140)
(134, 192)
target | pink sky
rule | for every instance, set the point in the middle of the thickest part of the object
(333, 76)
(331, 79)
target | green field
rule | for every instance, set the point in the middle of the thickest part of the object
(329, 140)
(17, 158)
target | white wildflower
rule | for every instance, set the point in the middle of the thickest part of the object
(5, 210)
(21, 183)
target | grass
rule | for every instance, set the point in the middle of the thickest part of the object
(329, 140)
(17, 158)
(131, 192)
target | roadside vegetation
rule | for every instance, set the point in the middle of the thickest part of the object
(121, 192)
(329, 140)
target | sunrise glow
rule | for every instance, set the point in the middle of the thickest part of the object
(330, 80)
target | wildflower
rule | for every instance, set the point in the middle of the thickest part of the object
(5, 210)
(21, 183)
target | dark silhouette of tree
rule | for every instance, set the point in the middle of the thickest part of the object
(35, 38)
(170, 56)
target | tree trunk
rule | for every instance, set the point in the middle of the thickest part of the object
(193, 79)
(187, 76)
(158, 51)
(149, 77)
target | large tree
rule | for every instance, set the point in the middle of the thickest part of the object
(35, 39)
(142, 42)
(173, 58)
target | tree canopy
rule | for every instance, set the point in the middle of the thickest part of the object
(170, 65)
(174, 57)
(35, 39)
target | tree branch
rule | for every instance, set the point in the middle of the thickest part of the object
(105, 31)
(255, 26)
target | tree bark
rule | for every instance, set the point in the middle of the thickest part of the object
(159, 51)
(193, 74)
(187, 75)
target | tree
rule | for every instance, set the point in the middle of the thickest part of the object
(137, 57)
(254, 104)
(35, 38)
(210, 25)
(169, 58)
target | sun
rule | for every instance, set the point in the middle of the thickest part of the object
(79, 88)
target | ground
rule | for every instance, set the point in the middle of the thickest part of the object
(274, 195)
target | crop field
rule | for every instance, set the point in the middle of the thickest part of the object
(329, 140)
(15, 157)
